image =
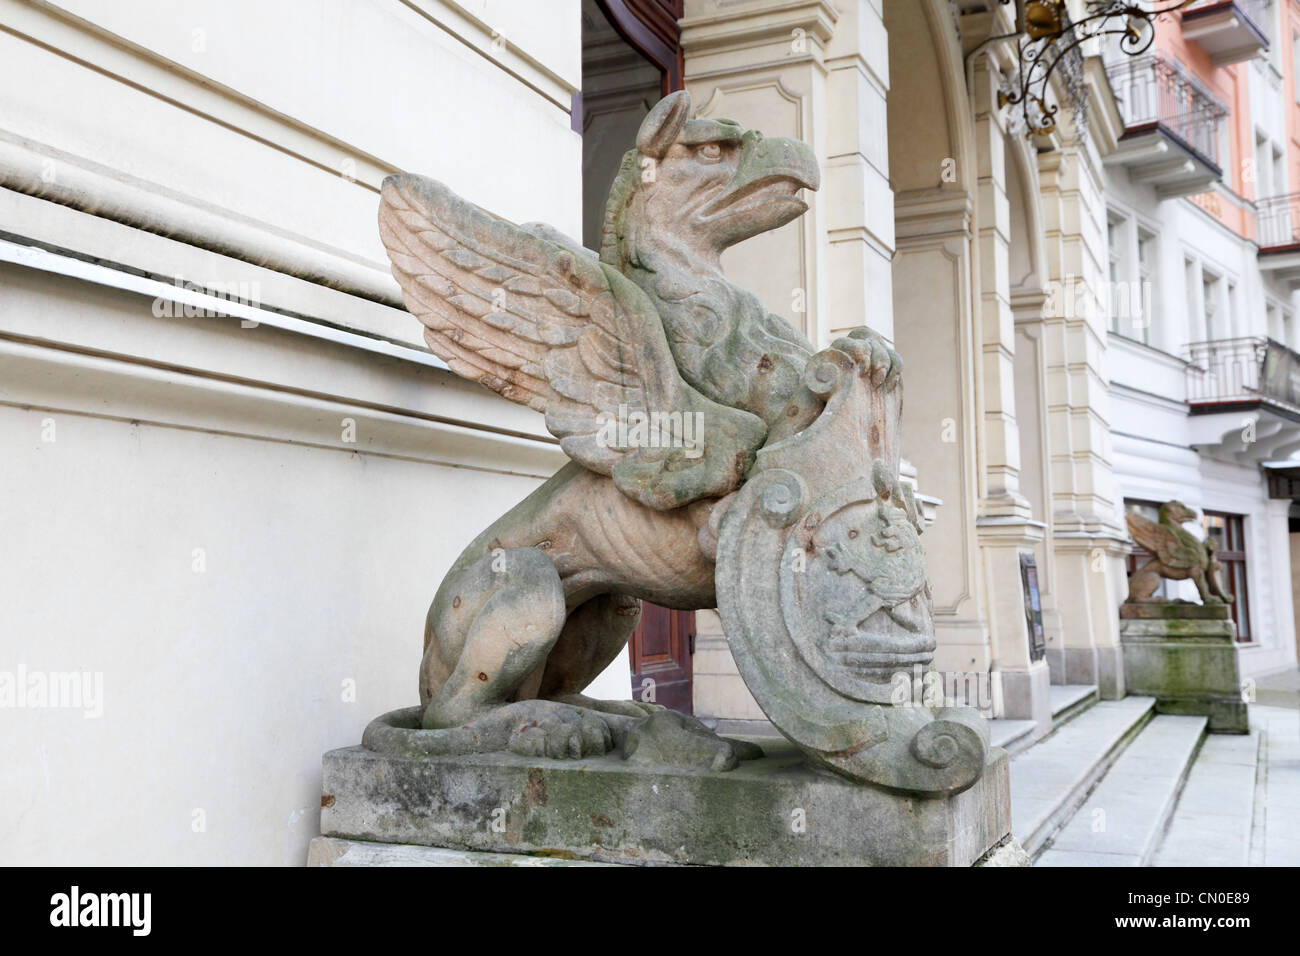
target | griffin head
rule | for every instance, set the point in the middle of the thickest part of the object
(708, 184)
(1176, 513)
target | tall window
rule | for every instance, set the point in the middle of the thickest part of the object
(1210, 304)
(1228, 531)
(1146, 291)
(1115, 249)
(1295, 64)
(1263, 167)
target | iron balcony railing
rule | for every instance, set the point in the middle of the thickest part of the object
(1154, 93)
(1277, 221)
(1247, 369)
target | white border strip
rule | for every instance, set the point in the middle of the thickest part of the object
(33, 257)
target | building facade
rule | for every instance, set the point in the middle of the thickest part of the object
(233, 476)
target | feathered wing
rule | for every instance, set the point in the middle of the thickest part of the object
(1162, 542)
(550, 327)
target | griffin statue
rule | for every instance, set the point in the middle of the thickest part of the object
(651, 335)
(1177, 554)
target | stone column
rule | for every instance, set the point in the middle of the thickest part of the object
(1001, 495)
(818, 72)
(859, 199)
(1087, 539)
(932, 287)
(1031, 414)
(1006, 527)
(764, 65)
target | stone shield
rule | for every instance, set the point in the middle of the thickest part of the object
(823, 595)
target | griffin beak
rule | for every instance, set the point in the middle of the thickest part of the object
(763, 190)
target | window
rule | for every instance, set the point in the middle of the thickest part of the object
(1210, 304)
(1228, 531)
(1232, 327)
(1144, 310)
(1224, 159)
(1263, 167)
(1115, 250)
(1295, 64)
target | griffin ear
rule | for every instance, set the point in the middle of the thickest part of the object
(662, 124)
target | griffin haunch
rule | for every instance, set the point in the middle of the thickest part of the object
(638, 429)
(102, 910)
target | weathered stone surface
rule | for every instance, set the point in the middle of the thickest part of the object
(1187, 660)
(330, 851)
(1007, 853)
(777, 810)
(1176, 554)
(670, 739)
(1175, 610)
(703, 431)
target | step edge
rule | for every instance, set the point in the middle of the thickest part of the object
(1074, 708)
(1165, 819)
(1080, 789)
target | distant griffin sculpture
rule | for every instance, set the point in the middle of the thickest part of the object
(718, 460)
(1177, 554)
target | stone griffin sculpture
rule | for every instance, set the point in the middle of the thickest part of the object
(786, 512)
(1177, 554)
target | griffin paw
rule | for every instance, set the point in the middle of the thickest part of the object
(880, 362)
(561, 732)
(623, 708)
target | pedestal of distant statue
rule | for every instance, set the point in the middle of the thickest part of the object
(718, 460)
(1185, 655)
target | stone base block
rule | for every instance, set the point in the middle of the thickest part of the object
(776, 810)
(1185, 656)
(331, 851)
(1027, 695)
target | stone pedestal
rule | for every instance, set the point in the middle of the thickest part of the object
(1185, 655)
(502, 809)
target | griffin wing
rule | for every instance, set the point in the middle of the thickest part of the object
(1160, 541)
(547, 326)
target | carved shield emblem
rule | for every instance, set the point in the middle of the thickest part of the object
(822, 590)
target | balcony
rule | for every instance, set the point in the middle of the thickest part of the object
(1277, 230)
(1231, 31)
(1244, 396)
(1171, 127)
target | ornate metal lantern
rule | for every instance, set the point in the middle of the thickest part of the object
(1049, 41)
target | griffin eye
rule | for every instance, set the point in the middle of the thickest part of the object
(710, 152)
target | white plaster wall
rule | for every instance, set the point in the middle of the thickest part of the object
(181, 514)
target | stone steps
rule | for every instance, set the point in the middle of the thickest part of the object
(1121, 821)
(1070, 700)
(1050, 779)
(1211, 826)
(1013, 736)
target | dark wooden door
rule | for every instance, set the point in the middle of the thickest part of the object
(661, 652)
(660, 649)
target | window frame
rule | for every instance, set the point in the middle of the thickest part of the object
(1236, 567)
